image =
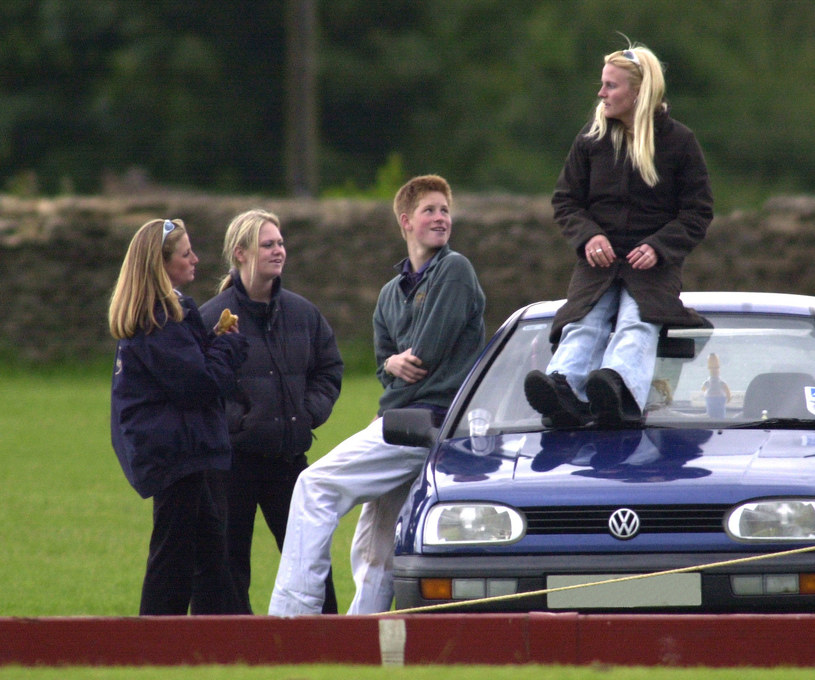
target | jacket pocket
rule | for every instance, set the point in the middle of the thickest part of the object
(302, 434)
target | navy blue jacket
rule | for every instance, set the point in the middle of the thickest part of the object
(291, 378)
(167, 415)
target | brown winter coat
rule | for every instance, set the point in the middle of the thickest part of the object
(596, 195)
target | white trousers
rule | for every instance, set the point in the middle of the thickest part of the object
(362, 469)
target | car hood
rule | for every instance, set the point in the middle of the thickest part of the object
(627, 466)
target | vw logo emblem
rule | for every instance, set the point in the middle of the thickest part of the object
(624, 524)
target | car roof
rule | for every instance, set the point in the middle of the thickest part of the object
(714, 301)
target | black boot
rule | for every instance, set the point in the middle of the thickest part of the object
(552, 396)
(612, 403)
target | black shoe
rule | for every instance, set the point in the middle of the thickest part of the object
(611, 402)
(551, 396)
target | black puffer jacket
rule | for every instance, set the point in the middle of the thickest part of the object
(291, 379)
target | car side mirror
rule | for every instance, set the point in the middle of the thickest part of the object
(409, 427)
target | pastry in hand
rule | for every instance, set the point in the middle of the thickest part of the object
(227, 320)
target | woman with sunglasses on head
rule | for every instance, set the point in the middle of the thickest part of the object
(633, 200)
(168, 420)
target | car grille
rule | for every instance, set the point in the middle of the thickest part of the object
(653, 519)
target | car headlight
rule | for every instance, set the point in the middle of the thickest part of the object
(460, 523)
(773, 519)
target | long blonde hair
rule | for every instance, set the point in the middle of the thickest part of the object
(143, 281)
(244, 232)
(645, 73)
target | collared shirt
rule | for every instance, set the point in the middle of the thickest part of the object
(411, 279)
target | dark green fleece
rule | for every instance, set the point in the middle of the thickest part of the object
(442, 320)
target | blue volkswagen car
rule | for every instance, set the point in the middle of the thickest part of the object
(708, 506)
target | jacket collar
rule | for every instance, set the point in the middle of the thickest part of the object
(255, 306)
(442, 252)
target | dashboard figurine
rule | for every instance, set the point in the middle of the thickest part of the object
(716, 391)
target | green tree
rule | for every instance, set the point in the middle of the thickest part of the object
(488, 92)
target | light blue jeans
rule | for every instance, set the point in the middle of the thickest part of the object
(585, 345)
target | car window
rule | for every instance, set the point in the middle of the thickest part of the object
(765, 365)
(500, 391)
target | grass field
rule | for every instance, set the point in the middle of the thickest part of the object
(406, 673)
(74, 535)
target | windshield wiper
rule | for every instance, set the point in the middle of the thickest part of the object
(776, 424)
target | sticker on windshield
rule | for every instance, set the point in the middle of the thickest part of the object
(810, 396)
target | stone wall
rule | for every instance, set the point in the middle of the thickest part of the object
(59, 258)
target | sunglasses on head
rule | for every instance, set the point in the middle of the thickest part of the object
(168, 227)
(631, 55)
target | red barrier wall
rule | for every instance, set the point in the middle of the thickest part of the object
(571, 639)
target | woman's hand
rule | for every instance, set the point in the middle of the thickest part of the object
(227, 323)
(642, 257)
(599, 252)
(406, 366)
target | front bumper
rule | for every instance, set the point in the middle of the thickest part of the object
(705, 590)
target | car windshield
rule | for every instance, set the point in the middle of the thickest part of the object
(747, 370)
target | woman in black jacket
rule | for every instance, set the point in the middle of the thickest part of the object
(633, 200)
(287, 387)
(168, 424)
